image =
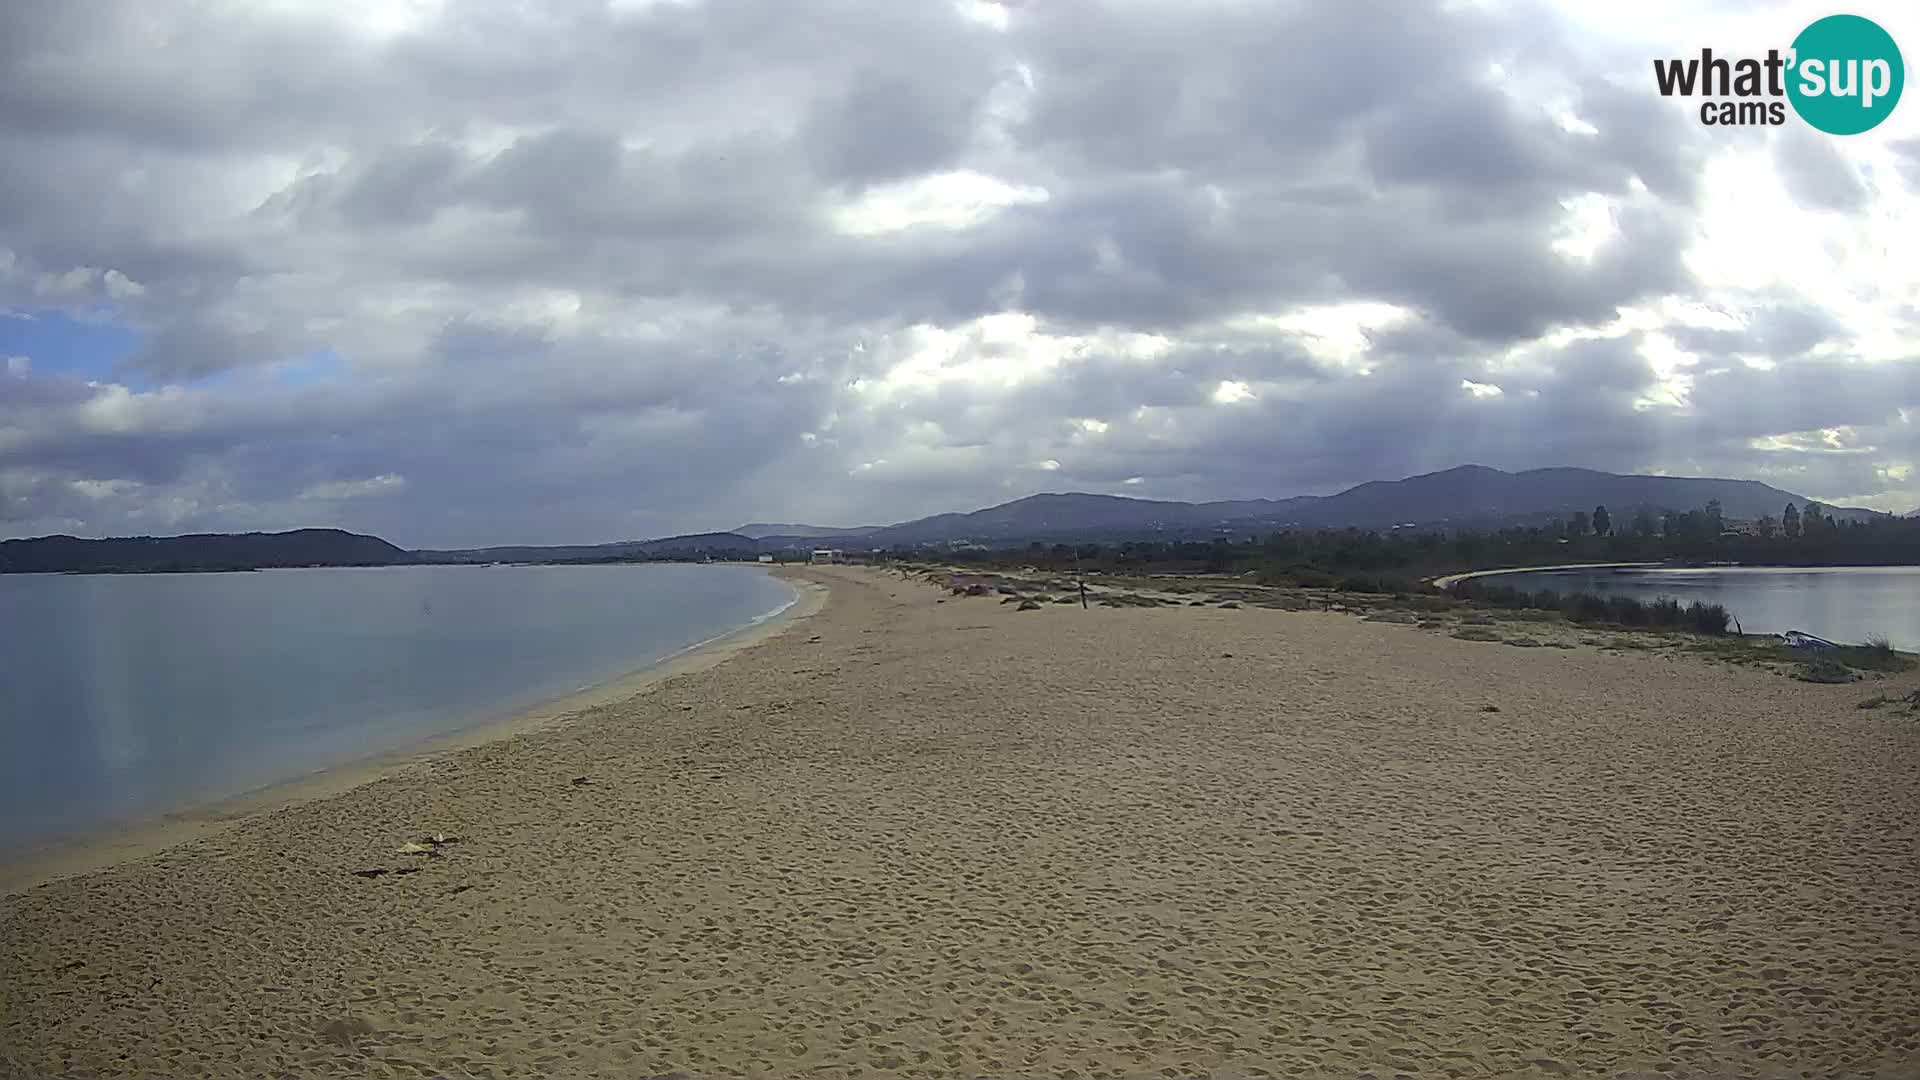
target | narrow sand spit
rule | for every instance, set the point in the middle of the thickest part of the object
(920, 838)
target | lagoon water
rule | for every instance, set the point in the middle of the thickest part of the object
(125, 695)
(1848, 604)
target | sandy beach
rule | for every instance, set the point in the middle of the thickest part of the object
(920, 835)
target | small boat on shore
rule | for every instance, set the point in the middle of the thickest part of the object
(1800, 639)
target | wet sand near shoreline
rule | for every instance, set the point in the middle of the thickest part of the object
(921, 835)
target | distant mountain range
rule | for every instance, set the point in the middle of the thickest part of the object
(1468, 496)
(760, 530)
(1471, 496)
(722, 543)
(205, 551)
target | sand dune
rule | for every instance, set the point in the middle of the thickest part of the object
(927, 836)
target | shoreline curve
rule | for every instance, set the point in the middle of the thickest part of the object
(1449, 580)
(111, 845)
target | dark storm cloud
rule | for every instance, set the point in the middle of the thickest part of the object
(889, 126)
(1815, 173)
(624, 440)
(588, 270)
(1121, 86)
(1807, 395)
(1502, 283)
(1775, 331)
(405, 186)
(184, 79)
(197, 345)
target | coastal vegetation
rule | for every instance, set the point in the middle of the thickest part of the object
(1614, 610)
(1386, 577)
(1396, 565)
(198, 553)
(1371, 560)
(1481, 612)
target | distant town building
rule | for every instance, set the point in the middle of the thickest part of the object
(824, 555)
(766, 558)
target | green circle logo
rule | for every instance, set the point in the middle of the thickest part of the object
(1847, 74)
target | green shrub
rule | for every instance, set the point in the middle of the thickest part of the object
(1825, 669)
(1304, 577)
(1705, 618)
(1876, 655)
(1587, 608)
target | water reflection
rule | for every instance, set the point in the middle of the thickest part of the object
(1848, 604)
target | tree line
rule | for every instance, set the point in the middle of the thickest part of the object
(1806, 535)
(1709, 522)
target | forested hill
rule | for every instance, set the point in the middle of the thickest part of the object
(1466, 497)
(205, 551)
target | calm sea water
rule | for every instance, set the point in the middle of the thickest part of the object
(1848, 604)
(124, 695)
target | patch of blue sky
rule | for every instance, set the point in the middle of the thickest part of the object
(94, 347)
(55, 342)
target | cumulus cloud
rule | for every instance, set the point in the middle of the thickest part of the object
(487, 273)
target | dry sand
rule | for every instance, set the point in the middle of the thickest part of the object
(920, 838)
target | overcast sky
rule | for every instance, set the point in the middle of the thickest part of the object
(475, 272)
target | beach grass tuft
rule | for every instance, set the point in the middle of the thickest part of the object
(1878, 654)
(1825, 669)
(1699, 618)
